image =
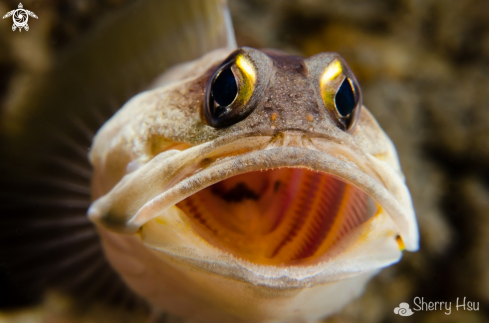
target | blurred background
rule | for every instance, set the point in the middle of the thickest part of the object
(424, 70)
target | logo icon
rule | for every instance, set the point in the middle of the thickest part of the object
(403, 310)
(20, 16)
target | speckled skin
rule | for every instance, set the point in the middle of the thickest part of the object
(158, 149)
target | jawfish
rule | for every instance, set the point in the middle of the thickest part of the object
(255, 188)
(245, 186)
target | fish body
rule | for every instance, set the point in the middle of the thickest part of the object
(245, 186)
(274, 208)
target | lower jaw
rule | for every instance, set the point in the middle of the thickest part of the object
(276, 217)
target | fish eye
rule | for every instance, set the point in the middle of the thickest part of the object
(341, 94)
(229, 91)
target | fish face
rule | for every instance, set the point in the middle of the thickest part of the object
(250, 186)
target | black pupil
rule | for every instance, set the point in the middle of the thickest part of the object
(345, 99)
(224, 89)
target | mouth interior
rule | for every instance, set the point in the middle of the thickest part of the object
(278, 216)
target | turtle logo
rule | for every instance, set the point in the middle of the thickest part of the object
(20, 16)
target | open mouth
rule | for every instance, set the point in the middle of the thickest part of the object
(249, 202)
(278, 216)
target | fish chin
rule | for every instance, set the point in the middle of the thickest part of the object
(260, 215)
(303, 219)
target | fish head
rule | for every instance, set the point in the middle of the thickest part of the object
(250, 185)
